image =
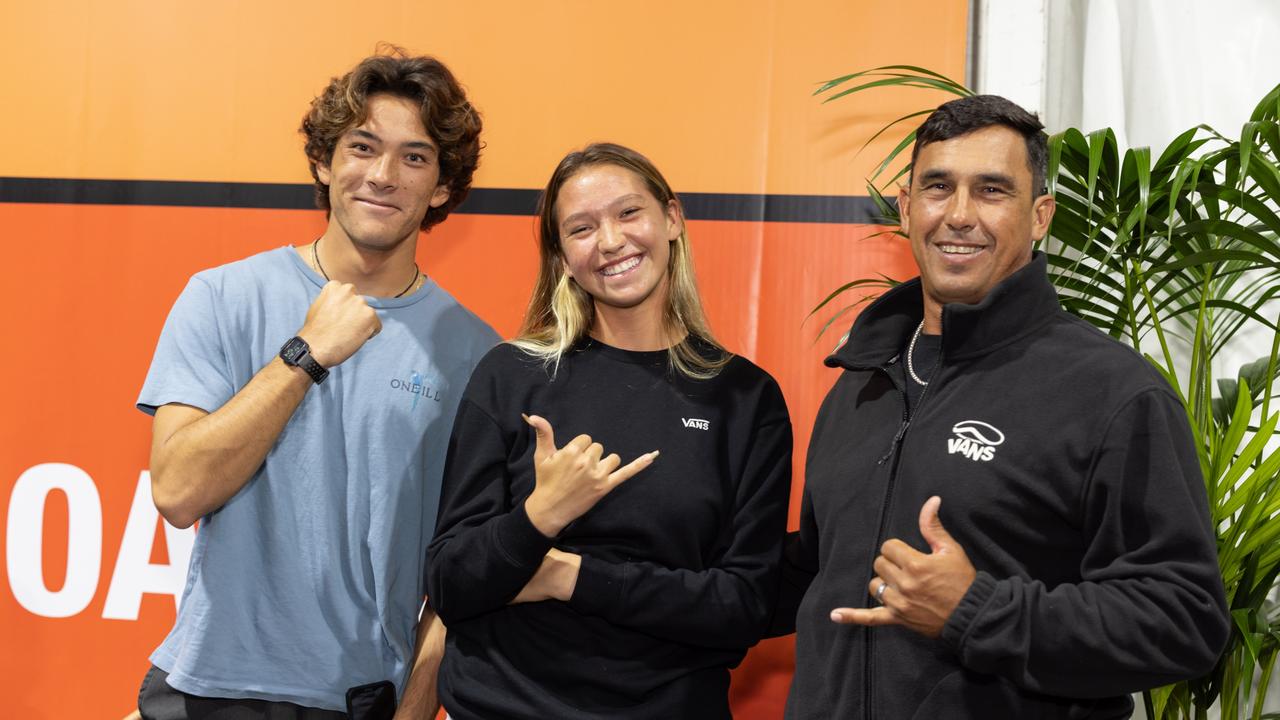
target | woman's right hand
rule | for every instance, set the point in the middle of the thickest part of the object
(572, 479)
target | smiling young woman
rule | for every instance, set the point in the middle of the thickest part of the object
(617, 188)
(575, 586)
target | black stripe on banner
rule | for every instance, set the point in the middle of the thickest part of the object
(481, 201)
(782, 208)
(280, 196)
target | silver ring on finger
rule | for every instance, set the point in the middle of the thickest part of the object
(880, 592)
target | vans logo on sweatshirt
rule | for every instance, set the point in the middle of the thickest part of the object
(975, 440)
(698, 423)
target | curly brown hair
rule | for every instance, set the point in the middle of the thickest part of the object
(449, 118)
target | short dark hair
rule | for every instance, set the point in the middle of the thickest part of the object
(453, 124)
(965, 115)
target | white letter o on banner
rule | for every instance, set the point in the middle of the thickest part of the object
(24, 542)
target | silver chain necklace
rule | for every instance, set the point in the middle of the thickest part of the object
(911, 350)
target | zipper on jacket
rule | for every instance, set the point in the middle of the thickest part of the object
(897, 439)
(894, 453)
(906, 412)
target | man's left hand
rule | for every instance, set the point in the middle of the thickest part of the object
(921, 590)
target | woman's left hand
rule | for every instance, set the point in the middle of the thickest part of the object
(555, 579)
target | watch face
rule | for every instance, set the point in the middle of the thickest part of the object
(293, 349)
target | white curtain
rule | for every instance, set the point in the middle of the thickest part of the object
(1150, 69)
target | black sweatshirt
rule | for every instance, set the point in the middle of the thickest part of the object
(680, 563)
(1069, 476)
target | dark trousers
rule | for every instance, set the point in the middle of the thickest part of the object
(158, 701)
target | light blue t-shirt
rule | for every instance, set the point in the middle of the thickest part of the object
(309, 580)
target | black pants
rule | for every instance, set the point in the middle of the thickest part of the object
(157, 700)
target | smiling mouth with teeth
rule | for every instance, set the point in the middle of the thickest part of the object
(621, 267)
(959, 249)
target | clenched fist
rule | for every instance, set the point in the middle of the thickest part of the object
(572, 479)
(338, 323)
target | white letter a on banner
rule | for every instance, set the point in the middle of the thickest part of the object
(134, 573)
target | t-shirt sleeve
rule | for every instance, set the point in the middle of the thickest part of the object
(190, 365)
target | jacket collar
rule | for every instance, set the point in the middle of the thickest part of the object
(1018, 306)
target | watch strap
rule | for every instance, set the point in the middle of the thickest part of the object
(317, 371)
(297, 353)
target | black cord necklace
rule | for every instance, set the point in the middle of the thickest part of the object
(315, 258)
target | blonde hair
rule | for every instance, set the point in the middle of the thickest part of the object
(560, 312)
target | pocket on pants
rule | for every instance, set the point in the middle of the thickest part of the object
(375, 701)
(158, 701)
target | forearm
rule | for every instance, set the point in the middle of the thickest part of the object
(799, 567)
(478, 569)
(485, 549)
(729, 601)
(1148, 608)
(719, 607)
(199, 466)
(420, 700)
(1120, 636)
(797, 573)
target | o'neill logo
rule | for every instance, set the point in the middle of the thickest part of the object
(417, 386)
(975, 440)
(696, 423)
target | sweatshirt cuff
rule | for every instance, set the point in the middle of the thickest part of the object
(957, 628)
(520, 542)
(599, 587)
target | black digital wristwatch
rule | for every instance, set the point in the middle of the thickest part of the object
(297, 353)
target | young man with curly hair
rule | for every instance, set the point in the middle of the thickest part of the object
(303, 399)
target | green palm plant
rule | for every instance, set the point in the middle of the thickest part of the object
(1177, 257)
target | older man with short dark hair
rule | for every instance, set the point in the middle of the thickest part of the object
(1003, 513)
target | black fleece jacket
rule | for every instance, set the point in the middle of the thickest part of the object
(680, 564)
(1067, 473)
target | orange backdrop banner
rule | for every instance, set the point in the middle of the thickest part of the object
(150, 140)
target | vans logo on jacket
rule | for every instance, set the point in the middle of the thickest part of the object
(975, 440)
(696, 423)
